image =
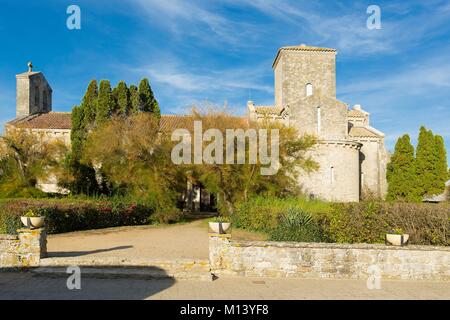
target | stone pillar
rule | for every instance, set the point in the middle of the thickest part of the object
(218, 245)
(32, 246)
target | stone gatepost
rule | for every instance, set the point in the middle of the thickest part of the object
(219, 245)
(32, 246)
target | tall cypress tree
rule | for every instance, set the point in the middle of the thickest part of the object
(134, 99)
(78, 132)
(89, 104)
(431, 159)
(147, 101)
(123, 99)
(105, 103)
(401, 172)
(441, 165)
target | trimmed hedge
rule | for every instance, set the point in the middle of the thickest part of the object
(68, 215)
(365, 222)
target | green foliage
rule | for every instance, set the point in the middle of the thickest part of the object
(264, 213)
(134, 99)
(105, 104)
(123, 99)
(368, 222)
(299, 226)
(365, 222)
(431, 163)
(401, 172)
(89, 104)
(74, 215)
(147, 101)
(25, 158)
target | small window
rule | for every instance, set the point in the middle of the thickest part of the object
(309, 89)
(331, 175)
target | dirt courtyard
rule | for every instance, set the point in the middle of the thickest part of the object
(179, 241)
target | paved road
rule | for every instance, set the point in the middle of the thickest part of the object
(23, 285)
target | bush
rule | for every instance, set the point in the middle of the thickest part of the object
(365, 222)
(368, 222)
(73, 214)
(297, 225)
(264, 213)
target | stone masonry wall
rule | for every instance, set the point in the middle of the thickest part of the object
(333, 261)
(24, 250)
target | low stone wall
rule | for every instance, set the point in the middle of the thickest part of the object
(24, 250)
(333, 261)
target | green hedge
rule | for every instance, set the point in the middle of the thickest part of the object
(66, 215)
(365, 222)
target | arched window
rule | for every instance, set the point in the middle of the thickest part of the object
(309, 89)
(319, 120)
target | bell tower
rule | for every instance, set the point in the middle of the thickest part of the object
(301, 71)
(33, 93)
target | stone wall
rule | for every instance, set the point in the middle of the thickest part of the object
(295, 69)
(333, 261)
(24, 250)
(337, 178)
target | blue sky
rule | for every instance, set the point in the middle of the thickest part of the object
(222, 50)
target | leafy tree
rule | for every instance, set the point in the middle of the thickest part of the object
(147, 101)
(77, 177)
(136, 159)
(238, 182)
(105, 105)
(401, 172)
(25, 159)
(123, 99)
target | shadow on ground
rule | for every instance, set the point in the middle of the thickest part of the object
(83, 253)
(25, 285)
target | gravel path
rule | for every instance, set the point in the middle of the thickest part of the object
(180, 241)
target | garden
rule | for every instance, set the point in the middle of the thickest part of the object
(118, 172)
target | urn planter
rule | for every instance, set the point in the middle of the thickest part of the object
(219, 227)
(33, 222)
(397, 239)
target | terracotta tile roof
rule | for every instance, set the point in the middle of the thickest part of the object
(172, 122)
(268, 110)
(357, 113)
(50, 120)
(63, 120)
(301, 47)
(362, 132)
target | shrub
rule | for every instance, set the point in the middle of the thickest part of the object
(263, 213)
(368, 222)
(365, 222)
(73, 215)
(297, 225)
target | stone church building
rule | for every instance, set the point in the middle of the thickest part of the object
(351, 154)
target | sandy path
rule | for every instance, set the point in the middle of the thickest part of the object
(181, 241)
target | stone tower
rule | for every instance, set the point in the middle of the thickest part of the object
(33, 93)
(302, 70)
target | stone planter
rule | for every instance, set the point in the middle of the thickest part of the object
(397, 239)
(219, 227)
(33, 222)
